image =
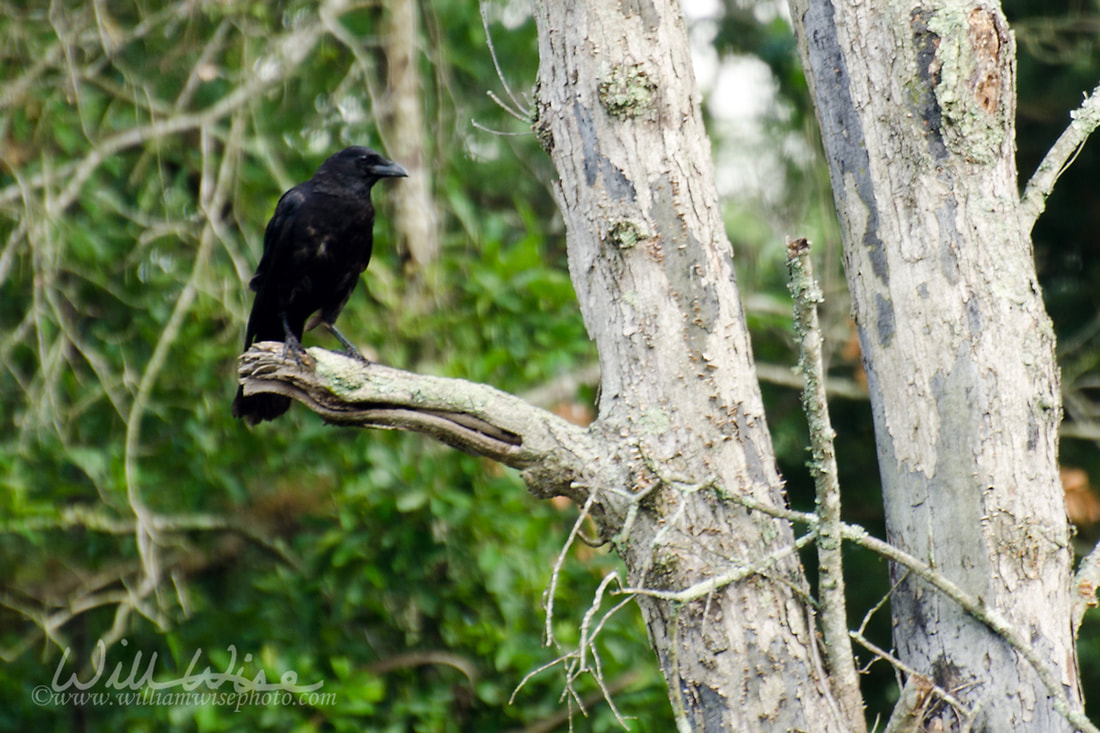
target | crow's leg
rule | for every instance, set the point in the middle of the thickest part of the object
(349, 349)
(291, 342)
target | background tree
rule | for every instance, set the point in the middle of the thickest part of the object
(957, 345)
(136, 193)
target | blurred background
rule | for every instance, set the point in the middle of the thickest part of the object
(142, 150)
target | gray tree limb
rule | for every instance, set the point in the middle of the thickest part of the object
(474, 418)
(834, 618)
(1085, 119)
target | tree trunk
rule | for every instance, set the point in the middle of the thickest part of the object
(618, 112)
(414, 211)
(917, 107)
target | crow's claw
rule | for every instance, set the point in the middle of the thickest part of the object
(349, 348)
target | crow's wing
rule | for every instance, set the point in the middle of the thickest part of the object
(279, 230)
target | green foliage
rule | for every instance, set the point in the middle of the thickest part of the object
(406, 577)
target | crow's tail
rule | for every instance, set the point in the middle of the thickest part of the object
(256, 408)
(264, 324)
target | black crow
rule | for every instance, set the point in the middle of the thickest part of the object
(315, 247)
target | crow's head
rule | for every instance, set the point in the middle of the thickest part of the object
(357, 166)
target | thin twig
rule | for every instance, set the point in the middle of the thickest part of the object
(704, 588)
(212, 196)
(514, 110)
(1085, 581)
(518, 115)
(272, 69)
(834, 618)
(502, 133)
(552, 587)
(911, 673)
(552, 722)
(1085, 118)
(576, 661)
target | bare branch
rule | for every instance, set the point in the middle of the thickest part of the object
(576, 662)
(212, 196)
(466, 666)
(1085, 118)
(474, 418)
(565, 387)
(1086, 581)
(915, 696)
(704, 588)
(501, 133)
(517, 110)
(550, 593)
(834, 623)
(783, 376)
(552, 722)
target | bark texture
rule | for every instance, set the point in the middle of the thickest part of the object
(917, 106)
(618, 112)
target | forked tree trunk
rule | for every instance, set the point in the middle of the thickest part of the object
(917, 107)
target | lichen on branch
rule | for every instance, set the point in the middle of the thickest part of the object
(471, 417)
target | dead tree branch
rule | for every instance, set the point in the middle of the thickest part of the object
(1085, 581)
(1085, 118)
(972, 604)
(834, 625)
(473, 418)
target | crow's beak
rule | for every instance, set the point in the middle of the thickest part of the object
(389, 170)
